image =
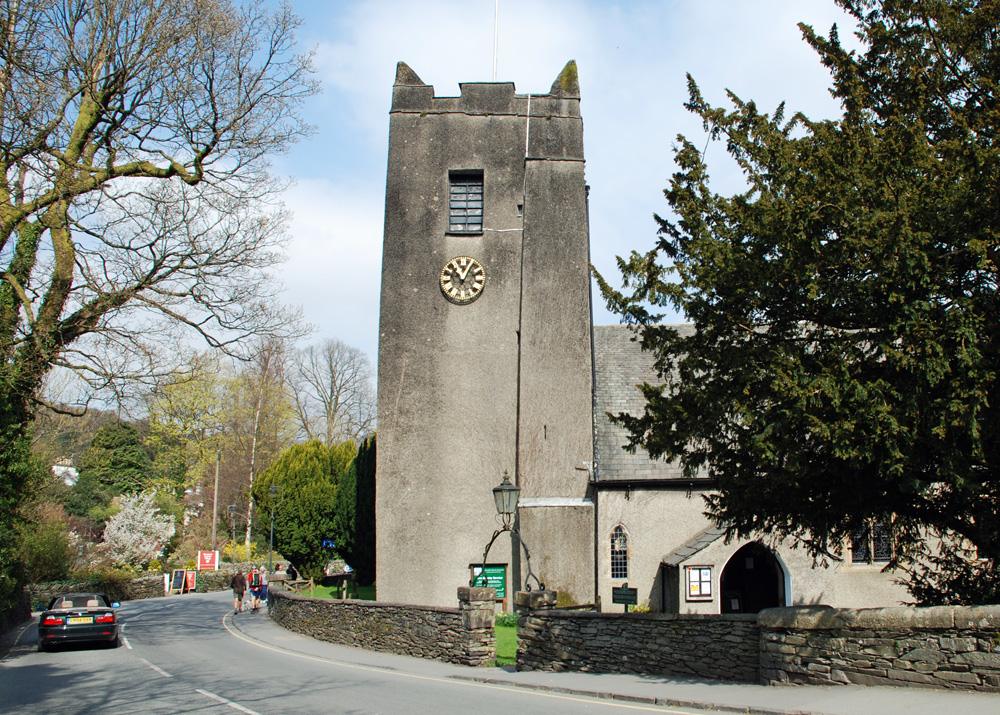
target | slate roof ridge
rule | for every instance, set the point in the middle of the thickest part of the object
(693, 545)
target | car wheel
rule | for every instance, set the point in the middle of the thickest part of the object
(115, 643)
(42, 648)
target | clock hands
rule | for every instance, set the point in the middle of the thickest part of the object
(462, 279)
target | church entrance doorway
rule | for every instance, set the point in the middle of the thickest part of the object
(752, 581)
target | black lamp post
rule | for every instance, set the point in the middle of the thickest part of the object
(273, 491)
(505, 496)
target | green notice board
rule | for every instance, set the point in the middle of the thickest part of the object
(495, 576)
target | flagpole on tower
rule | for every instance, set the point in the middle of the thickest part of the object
(496, 35)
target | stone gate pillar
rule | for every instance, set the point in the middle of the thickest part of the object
(477, 606)
(525, 601)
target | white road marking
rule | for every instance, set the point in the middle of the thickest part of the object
(16, 645)
(21, 632)
(157, 668)
(230, 703)
(121, 632)
(451, 681)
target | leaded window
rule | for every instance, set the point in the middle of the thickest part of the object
(619, 553)
(465, 202)
(872, 543)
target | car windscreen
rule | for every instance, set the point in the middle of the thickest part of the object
(79, 600)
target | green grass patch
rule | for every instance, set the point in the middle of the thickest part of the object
(506, 644)
(364, 593)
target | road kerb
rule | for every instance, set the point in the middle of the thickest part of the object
(644, 699)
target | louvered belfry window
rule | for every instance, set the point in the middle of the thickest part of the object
(619, 553)
(465, 202)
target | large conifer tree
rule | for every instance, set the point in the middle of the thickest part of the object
(844, 366)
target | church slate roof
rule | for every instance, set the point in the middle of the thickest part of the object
(693, 545)
(620, 365)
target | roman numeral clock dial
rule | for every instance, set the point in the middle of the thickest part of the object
(462, 279)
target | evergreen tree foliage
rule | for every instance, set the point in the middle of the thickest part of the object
(306, 479)
(355, 514)
(844, 363)
(117, 459)
(18, 471)
(88, 497)
(45, 551)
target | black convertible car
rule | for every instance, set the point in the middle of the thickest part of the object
(78, 617)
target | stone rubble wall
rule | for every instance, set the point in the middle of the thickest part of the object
(145, 586)
(461, 635)
(717, 647)
(940, 647)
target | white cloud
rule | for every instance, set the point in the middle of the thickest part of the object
(334, 259)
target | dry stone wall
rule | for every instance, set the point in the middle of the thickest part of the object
(718, 647)
(941, 647)
(456, 635)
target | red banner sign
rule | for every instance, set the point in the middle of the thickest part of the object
(191, 578)
(208, 560)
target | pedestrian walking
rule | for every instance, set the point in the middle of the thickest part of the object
(263, 584)
(255, 589)
(239, 585)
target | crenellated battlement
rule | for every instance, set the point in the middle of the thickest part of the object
(411, 94)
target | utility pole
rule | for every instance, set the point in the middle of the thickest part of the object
(215, 498)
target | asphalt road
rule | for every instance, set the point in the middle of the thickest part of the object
(185, 654)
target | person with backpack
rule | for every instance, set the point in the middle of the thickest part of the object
(239, 585)
(255, 589)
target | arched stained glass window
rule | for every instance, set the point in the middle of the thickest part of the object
(619, 553)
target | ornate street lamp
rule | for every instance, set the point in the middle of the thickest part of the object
(505, 496)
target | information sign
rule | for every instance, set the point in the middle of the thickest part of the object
(624, 594)
(494, 577)
(177, 581)
(191, 582)
(208, 560)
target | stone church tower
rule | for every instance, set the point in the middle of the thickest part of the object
(485, 348)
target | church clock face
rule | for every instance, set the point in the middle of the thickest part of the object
(462, 279)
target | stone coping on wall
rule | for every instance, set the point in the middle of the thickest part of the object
(924, 618)
(715, 618)
(367, 604)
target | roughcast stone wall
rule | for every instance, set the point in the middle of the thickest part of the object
(719, 647)
(457, 635)
(942, 647)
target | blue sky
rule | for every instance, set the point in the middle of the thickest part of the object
(632, 59)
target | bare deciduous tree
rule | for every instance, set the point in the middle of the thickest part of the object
(260, 423)
(331, 386)
(134, 188)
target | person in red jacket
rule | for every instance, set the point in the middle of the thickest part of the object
(255, 584)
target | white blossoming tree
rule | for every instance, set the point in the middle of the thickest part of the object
(137, 533)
